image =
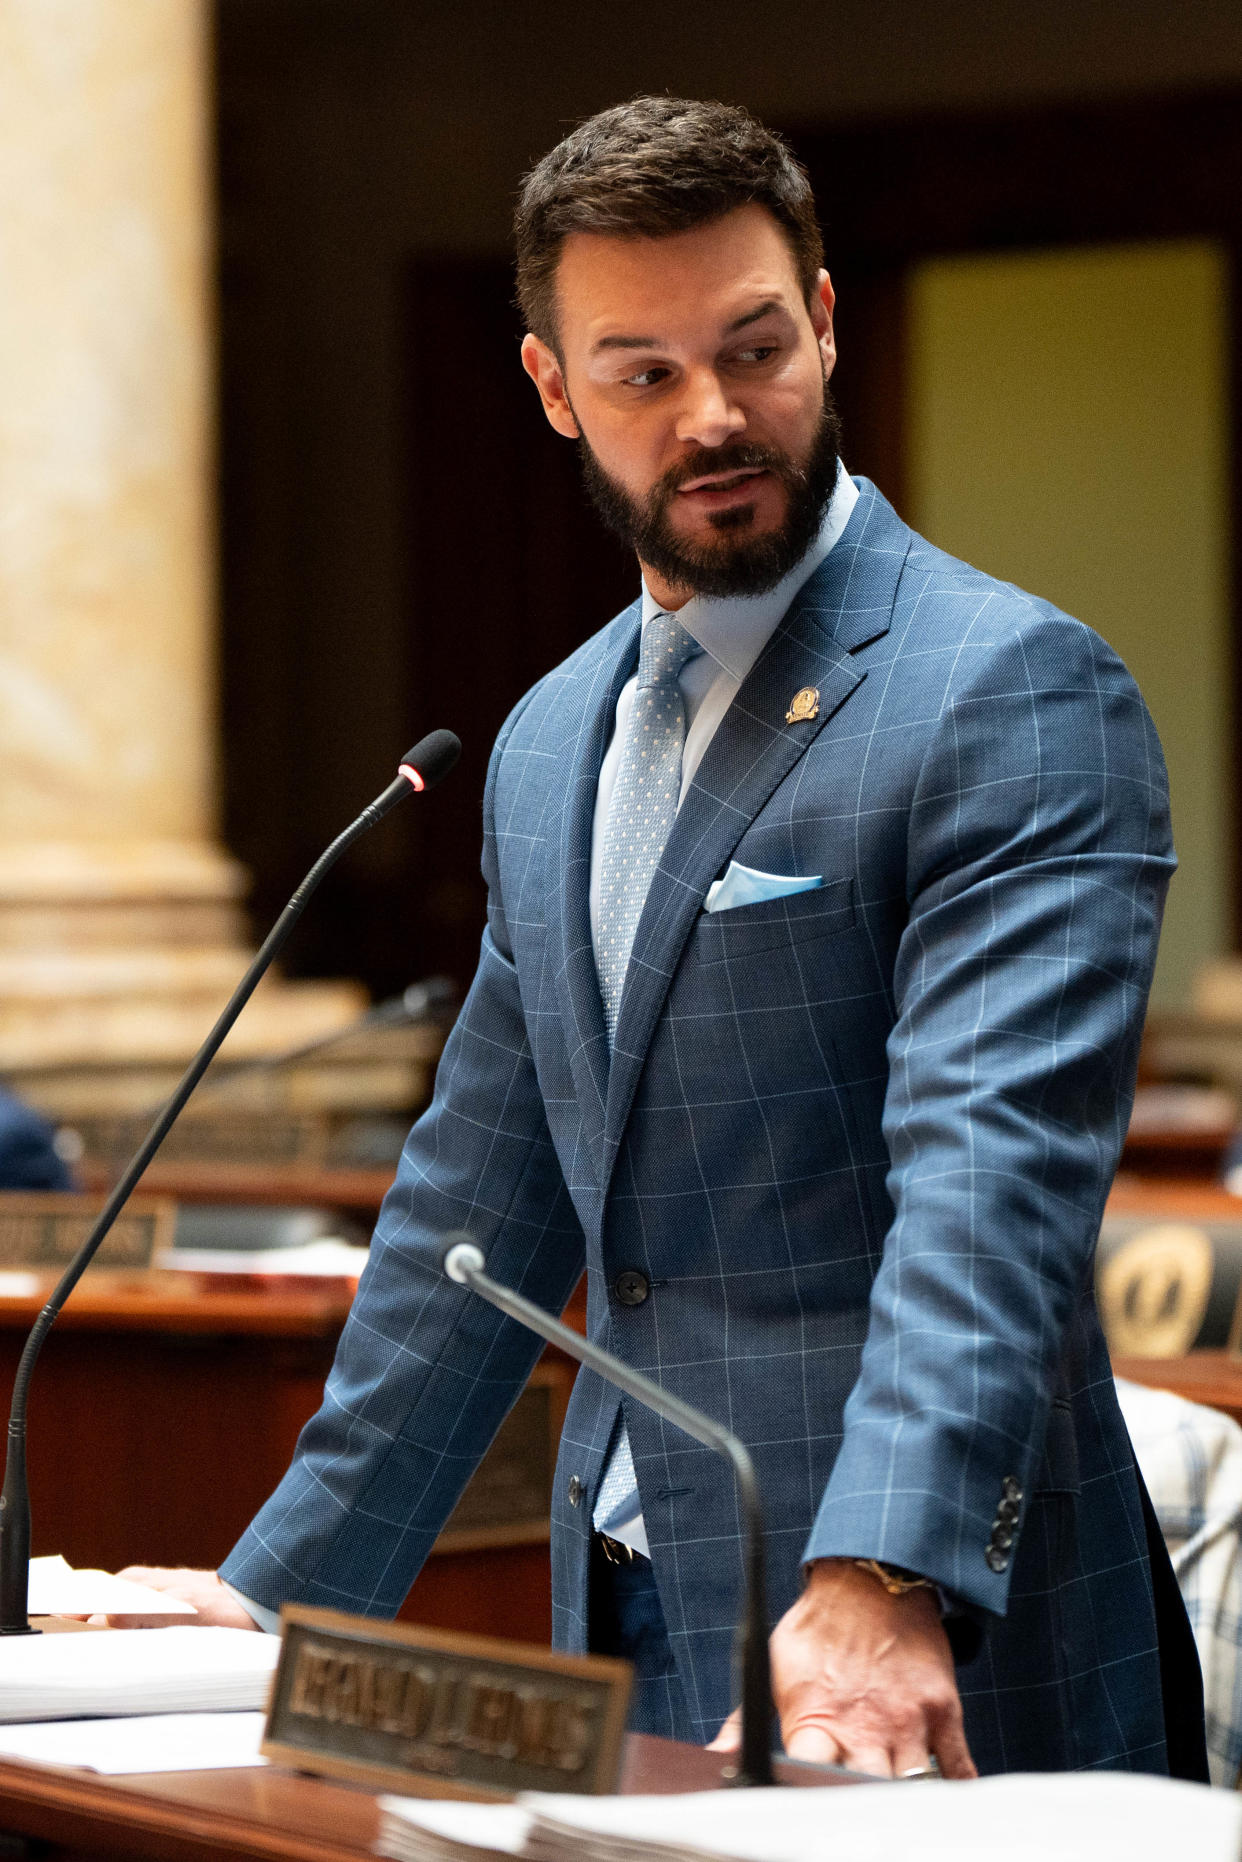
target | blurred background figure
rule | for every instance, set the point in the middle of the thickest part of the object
(29, 1159)
(1191, 1460)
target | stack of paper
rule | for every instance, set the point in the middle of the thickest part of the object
(418, 1830)
(1074, 1816)
(124, 1671)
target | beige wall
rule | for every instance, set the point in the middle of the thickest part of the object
(1067, 432)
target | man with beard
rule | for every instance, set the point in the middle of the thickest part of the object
(824, 889)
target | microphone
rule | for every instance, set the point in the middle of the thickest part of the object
(421, 768)
(463, 1261)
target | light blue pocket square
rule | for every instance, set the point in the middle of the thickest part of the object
(742, 885)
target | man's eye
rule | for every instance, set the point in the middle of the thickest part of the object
(758, 354)
(646, 378)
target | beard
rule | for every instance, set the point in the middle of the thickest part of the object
(733, 562)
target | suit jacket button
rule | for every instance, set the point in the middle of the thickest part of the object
(1011, 1489)
(997, 1560)
(575, 1490)
(631, 1287)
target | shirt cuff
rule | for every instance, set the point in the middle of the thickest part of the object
(268, 1620)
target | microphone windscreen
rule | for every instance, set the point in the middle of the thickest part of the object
(433, 757)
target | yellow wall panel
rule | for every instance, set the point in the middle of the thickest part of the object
(1067, 418)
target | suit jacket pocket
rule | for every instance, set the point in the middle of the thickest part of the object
(1058, 1471)
(797, 918)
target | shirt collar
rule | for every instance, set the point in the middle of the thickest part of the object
(734, 630)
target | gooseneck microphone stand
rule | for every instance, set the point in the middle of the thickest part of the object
(425, 765)
(463, 1260)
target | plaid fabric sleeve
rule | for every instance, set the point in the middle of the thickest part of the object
(1038, 856)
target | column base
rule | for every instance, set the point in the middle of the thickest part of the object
(116, 958)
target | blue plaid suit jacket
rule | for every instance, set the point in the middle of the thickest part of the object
(858, 1141)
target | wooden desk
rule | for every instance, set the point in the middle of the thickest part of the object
(268, 1813)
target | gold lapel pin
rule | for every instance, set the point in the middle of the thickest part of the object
(804, 704)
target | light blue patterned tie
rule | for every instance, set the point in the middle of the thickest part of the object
(641, 814)
(644, 800)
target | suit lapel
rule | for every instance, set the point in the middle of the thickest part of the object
(847, 603)
(589, 707)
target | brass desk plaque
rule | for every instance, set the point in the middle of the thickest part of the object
(45, 1228)
(447, 1715)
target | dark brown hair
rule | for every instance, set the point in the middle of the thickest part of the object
(650, 167)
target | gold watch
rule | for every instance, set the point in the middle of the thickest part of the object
(895, 1578)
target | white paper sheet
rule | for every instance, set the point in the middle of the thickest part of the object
(141, 1742)
(56, 1589)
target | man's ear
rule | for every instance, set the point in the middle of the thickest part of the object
(823, 301)
(545, 371)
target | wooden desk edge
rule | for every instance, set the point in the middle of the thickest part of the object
(257, 1814)
(170, 1814)
(1210, 1377)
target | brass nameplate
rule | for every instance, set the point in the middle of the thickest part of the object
(45, 1229)
(451, 1715)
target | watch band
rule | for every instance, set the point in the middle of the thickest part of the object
(895, 1578)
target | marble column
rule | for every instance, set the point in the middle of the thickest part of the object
(119, 925)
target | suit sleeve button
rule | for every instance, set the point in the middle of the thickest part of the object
(631, 1287)
(575, 1491)
(997, 1560)
(1011, 1488)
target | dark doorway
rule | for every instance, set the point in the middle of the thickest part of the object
(509, 568)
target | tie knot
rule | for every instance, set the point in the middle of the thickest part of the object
(664, 649)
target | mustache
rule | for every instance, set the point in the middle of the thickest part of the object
(737, 457)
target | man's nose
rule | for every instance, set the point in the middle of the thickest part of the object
(707, 416)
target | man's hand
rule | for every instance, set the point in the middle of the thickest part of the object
(863, 1679)
(215, 1605)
